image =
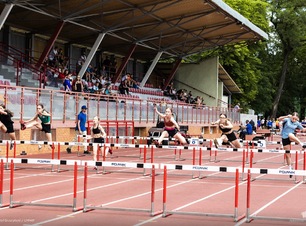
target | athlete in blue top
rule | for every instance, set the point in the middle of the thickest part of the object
(290, 124)
(80, 128)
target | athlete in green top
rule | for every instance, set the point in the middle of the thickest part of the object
(44, 123)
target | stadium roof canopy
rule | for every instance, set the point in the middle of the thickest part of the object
(178, 28)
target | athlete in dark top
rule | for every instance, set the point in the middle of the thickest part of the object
(171, 127)
(6, 123)
(98, 134)
(226, 128)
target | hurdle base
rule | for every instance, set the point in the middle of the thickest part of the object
(179, 159)
(156, 213)
(167, 214)
(4, 205)
(78, 209)
(239, 218)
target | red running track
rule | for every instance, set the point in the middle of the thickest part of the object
(271, 195)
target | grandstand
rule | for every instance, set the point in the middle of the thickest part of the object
(134, 45)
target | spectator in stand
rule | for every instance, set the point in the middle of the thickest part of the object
(87, 76)
(80, 62)
(103, 71)
(53, 80)
(258, 123)
(67, 83)
(170, 91)
(52, 58)
(103, 81)
(253, 125)
(61, 75)
(96, 88)
(198, 102)
(269, 124)
(60, 58)
(237, 107)
(248, 128)
(108, 92)
(262, 123)
(78, 85)
(113, 68)
(106, 64)
(124, 87)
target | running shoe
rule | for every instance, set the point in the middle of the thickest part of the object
(95, 168)
(304, 146)
(68, 150)
(110, 151)
(12, 145)
(22, 125)
(216, 143)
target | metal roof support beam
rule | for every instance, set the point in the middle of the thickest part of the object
(124, 63)
(50, 43)
(91, 54)
(5, 12)
(170, 77)
(152, 66)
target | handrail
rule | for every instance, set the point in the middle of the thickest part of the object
(64, 107)
(20, 63)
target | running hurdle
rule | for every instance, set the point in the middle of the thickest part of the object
(13, 204)
(296, 152)
(202, 168)
(250, 217)
(89, 207)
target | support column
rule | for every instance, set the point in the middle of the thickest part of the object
(50, 43)
(152, 66)
(5, 12)
(124, 63)
(91, 54)
(170, 77)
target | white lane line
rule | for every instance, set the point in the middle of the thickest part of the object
(269, 203)
(151, 219)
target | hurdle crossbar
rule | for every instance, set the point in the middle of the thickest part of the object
(235, 216)
(150, 210)
(14, 204)
(250, 217)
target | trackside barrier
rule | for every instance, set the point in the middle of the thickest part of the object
(87, 208)
(235, 216)
(250, 217)
(14, 204)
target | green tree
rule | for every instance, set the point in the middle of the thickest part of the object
(289, 23)
(241, 60)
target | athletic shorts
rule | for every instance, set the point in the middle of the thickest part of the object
(9, 127)
(286, 141)
(171, 132)
(46, 128)
(231, 136)
(98, 140)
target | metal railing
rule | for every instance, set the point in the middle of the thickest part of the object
(64, 107)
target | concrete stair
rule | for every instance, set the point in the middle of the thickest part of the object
(27, 78)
